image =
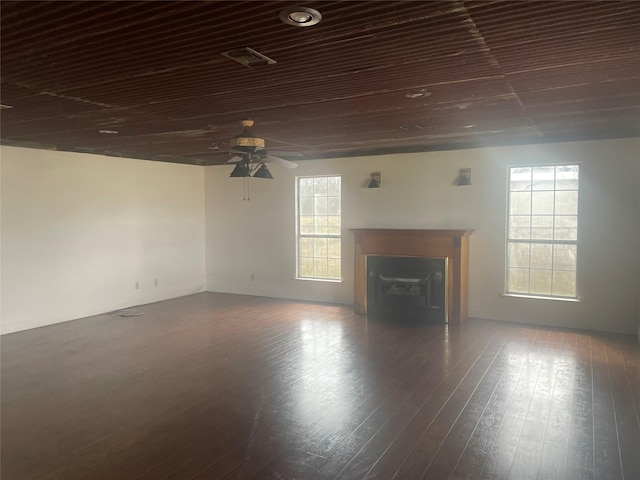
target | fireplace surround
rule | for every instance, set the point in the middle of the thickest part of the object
(452, 245)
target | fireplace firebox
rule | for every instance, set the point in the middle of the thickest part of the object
(407, 287)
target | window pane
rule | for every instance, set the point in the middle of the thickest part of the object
(541, 282)
(566, 228)
(320, 247)
(520, 179)
(543, 178)
(333, 188)
(518, 280)
(321, 225)
(564, 257)
(520, 203)
(320, 206)
(320, 267)
(542, 203)
(333, 206)
(520, 228)
(306, 225)
(306, 206)
(333, 226)
(542, 227)
(305, 187)
(320, 186)
(519, 255)
(333, 248)
(306, 247)
(564, 283)
(306, 267)
(333, 269)
(567, 177)
(567, 203)
(541, 257)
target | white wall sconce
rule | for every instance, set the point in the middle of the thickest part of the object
(464, 178)
(375, 180)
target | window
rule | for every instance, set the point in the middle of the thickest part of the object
(319, 227)
(542, 231)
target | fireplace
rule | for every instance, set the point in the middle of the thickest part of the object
(407, 287)
(452, 246)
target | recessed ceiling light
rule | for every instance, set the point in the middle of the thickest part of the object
(108, 132)
(300, 16)
(417, 94)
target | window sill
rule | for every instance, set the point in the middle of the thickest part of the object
(542, 297)
(327, 280)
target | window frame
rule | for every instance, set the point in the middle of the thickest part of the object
(553, 242)
(299, 235)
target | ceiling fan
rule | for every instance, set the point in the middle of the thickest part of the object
(251, 155)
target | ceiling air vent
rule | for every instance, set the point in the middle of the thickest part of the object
(249, 57)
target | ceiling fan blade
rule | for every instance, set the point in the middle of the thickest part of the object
(235, 160)
(279, 161)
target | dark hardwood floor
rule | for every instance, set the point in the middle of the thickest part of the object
(216, 386)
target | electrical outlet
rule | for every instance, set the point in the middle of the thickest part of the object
(137, 285)
(155, 282)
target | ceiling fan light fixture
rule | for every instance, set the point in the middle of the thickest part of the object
(240, 170)
(263, 172)
(300, 16)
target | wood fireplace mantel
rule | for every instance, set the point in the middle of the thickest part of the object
(450, 244)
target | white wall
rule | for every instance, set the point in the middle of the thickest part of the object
(78, 231)
(257, 237)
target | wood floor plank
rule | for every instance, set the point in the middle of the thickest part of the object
(553, 459)
(625, 413)
(580, 454)
(216, 386)
(631, 358)
(483, 437)
(550, 402)
(407, 413)
(501, 456)
(430, 373)
(607, 460)
(445, 459)
(437, 416)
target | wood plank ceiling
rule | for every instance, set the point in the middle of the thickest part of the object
(494, 73)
